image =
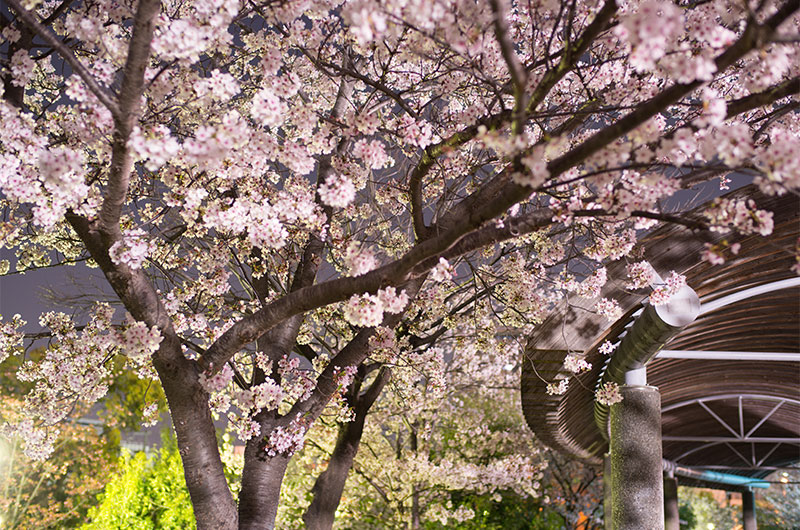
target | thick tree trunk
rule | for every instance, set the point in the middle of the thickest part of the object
(329, 485)
(262, 475)
(213, 503)
(261, 487)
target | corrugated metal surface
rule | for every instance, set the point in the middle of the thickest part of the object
(767, 323)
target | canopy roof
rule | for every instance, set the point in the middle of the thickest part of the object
(737, 412)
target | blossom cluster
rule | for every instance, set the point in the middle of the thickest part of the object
(383, 345)
(575, 364)
(367, 310)
(608, 308)
(558, 388)
(415, 132)
(132, 249)
(218, 381)
(337, 191)
(640, 274)
(606, 348)
(74, 370)
(11, 336)
(739, 214)
(608, 393)
(663, 293)
(266, 395)
(442, 272)
(373, 154)
(287, 440)
(359, 260)
(137, 340)
(650, 30)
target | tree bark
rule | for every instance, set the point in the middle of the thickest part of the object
(328, 488)
(415, 511)
(213, 503)
(261, 487)
(262, 475)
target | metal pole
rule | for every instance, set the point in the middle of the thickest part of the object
(749, 510)
(636, 468)
(671, 517)
(608, 489)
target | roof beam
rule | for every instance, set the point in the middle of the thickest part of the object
(732, 439)
(744, 294)
(751, 468)
(729, 355)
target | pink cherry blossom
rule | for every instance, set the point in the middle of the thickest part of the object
(663, 293)
(337, 191)
(359, 260)
(131, 250)
(608, 394)
(364, 310)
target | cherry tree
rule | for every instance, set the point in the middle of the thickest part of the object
(447, 425)
(273, 188)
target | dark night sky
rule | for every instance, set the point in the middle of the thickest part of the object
(25, 293)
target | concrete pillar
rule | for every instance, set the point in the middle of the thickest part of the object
(672, 520)
(749, 510)
(608, 489)
(636, 468)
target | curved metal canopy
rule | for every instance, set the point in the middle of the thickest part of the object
(729, 382)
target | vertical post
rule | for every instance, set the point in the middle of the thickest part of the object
(608, 488)
(636, 468)
(671, 517)
(749, 510)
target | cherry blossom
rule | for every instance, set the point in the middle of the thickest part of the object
(443, 271)
(287, 440)
(575, 364)
(640, 274)
(150, 415)
(558, 388)
(280, 194)
(359, 260)
(739, 214)
(606, 348)
(364, 310)
(132, 249)
(608, 308)
(392, 301)
(650, 29)
(268, 109)
(608, 394)
(373, 154)
(337, 191)
(21, 68)
(663, 293)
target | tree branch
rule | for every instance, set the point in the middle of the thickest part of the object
(519, 76)
(100, 91)
(572, 53)
(495, 198)
(126, 116)
(759, 99)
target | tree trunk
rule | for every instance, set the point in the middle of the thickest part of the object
(415, 512)
(262, 475)
(261, 487)
(329, 485)
(213, 503)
